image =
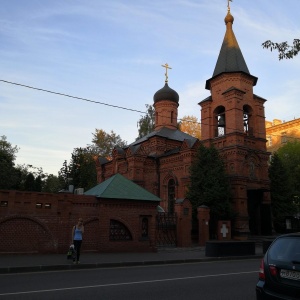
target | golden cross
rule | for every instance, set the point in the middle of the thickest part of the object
(228, 6)
(166, 74)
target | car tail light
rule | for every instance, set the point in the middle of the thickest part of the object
(273, 270)
(262, 270)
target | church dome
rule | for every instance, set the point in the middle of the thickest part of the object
(229, 18)
(166, 93)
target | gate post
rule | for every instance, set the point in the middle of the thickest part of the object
(183, 209)
(203, 220)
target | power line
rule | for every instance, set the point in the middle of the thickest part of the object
(103, 103)
(70, 96)
(80, 98)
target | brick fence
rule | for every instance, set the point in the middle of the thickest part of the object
(42, 222)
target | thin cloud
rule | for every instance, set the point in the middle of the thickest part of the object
(112, 51)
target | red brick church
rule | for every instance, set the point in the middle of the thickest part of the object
(232, 119)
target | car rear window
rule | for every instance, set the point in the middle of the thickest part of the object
(285, 249)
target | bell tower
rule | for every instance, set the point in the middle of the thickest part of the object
(233, 120)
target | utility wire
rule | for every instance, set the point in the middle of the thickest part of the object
(103, 103)
(70, 96)
(80, 98)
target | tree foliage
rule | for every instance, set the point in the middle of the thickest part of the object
(209, 184)
(8, 173)
(104, 143)
(83, 168)
(191, 126)
(52, 184)
(146, 123)
(24, 177)
(285, 50)
(281, 193)
(289, 155)
(64, 174)
(30, 178)
(29, 184)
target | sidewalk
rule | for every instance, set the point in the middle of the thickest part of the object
(16, 263)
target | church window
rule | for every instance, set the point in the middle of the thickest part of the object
(145, 227)
(246, 124)
(251, 169)
(118, 231)
(172, 117)
(220, 121)
(171, 196)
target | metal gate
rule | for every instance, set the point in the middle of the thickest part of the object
(166, 230)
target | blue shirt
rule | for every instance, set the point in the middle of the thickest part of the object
(77, 234)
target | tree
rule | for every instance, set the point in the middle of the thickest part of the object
(64, 175)
(82, 168)
(146, 123)
(281, 193)
(209, 185)
(30, 182)
(289, 155)
(38, 184)
(104, 143)
(191, 126)
(52, 184)
(21, 177)
(8, 173)
(81, 171)
(284, 49)
(29, 178)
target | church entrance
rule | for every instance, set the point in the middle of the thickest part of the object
(259, 214)
(166, 229)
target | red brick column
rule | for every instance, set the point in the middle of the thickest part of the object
(203, 220)
(184, 223)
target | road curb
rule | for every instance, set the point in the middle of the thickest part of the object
(66, 267)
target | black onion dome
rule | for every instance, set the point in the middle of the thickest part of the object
(166, 93)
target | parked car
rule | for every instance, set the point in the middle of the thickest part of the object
(279, 273)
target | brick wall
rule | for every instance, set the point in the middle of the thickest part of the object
(40, 222)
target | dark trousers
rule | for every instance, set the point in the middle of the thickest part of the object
(77, 246)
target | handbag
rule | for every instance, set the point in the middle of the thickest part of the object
(71, 252)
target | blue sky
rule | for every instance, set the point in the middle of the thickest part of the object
(112, 52)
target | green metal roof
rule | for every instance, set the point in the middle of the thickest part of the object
(119, 187)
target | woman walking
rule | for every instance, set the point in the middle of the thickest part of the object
(77, 233)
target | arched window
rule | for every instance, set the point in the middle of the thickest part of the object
(145, 227)
(118, 231)
(251, 169)
(172, 117)
(171, 196)
(220, 121)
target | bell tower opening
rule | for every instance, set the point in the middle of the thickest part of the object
(220, 121)
(247, 120)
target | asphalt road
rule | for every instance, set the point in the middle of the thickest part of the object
(207, 280)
